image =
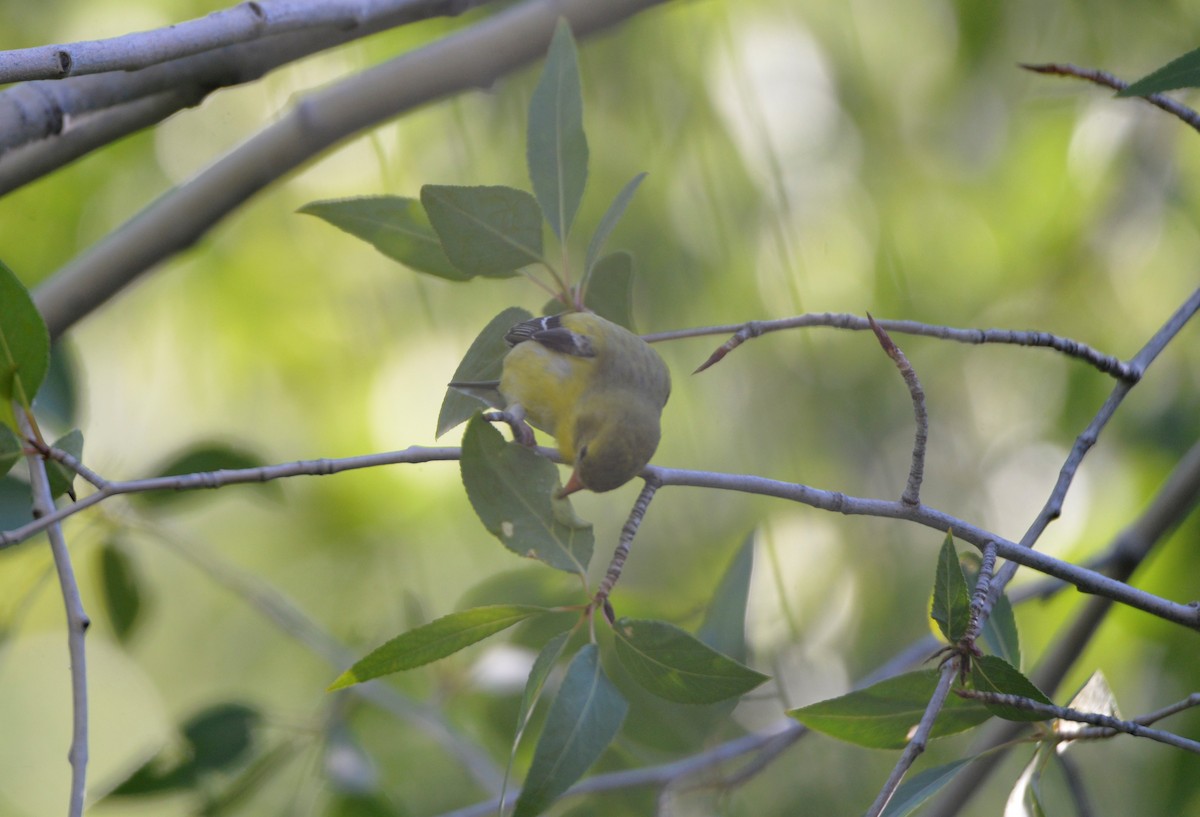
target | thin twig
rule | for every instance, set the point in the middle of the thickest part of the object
(916, 471)
(916, 746)
(1167, 711)
(742, 332)
(77, 623)
(1109, 725)
(1176, 109)
(979, 599)
(628, 533)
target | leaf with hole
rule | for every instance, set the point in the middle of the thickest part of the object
(512, 491)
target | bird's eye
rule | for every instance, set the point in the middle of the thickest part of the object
(583, 452)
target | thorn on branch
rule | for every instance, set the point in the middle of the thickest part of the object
(751, 330)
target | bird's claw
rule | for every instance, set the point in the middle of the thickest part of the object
(522, 432)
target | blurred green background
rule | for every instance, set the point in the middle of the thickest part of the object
(819, 156)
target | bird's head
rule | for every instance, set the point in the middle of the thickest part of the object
(612, 443)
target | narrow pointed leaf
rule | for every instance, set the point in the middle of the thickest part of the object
(882, 715)
(437, 639)
(917, 790)
(585, 716)
(396, 226)
(62, 478)
(990, 673)
(676, 665)
(542, 666)
(610, 291)
(490, 231)
(1000, 632)
(483, 362)
(24, 346)
(122, 590)
(512, 491)
(556, 146)
(1181, 72)
(724, 625)
(609, 221)
(11, 449)
(951, 605)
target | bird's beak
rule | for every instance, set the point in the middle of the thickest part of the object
(573, 485)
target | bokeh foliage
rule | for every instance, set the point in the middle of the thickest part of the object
(823, 157)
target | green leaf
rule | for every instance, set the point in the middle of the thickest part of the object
(221, 735)
(1025, 799)
(483, 362)
(437, 639)
(16, 503)
(585, 716)
(1181, 72)
(62, 478)
(542, 666)
(24, 346)
(201, 458)
(611, 216)
(882, 715)
(512, 491)
(556, 146)
(11, 450)
(1000, 632)
(610, 293)
(490, 231)
(917, 789)
(990, 673)
(951, 605)
(396, 226)
(724, 625)
(676, 665)
(122, 593)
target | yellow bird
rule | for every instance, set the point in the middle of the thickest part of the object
(596, 386)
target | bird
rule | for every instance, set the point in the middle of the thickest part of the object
(598, 388)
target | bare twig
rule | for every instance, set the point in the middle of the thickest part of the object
(916, 471)
(1167, 711)
(1176, 109)
(77, 622)
(839, 320)
(628, 533)
(916, 746)
(470, 59)
(983, 586)
(1109, 725)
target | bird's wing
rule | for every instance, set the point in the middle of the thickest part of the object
(550, 332)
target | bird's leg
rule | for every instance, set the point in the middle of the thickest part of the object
(514, 415)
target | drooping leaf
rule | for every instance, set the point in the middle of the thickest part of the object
(1095, 696)
(951, 604)
(122, 590)
(990, 673)
(676, 665)
(11, 450)
(609, 221)
(24, 346)
(482, 364)
(437, 639)
(204, 457)
(882, 715)
(490, 231)
(610, 293)
(556, 146)
(396, 226)
(511, 489)
(916, 790)
(1025, 799)
(583, 719)
(1181, 72)
(62, 478)
(1000, 632)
